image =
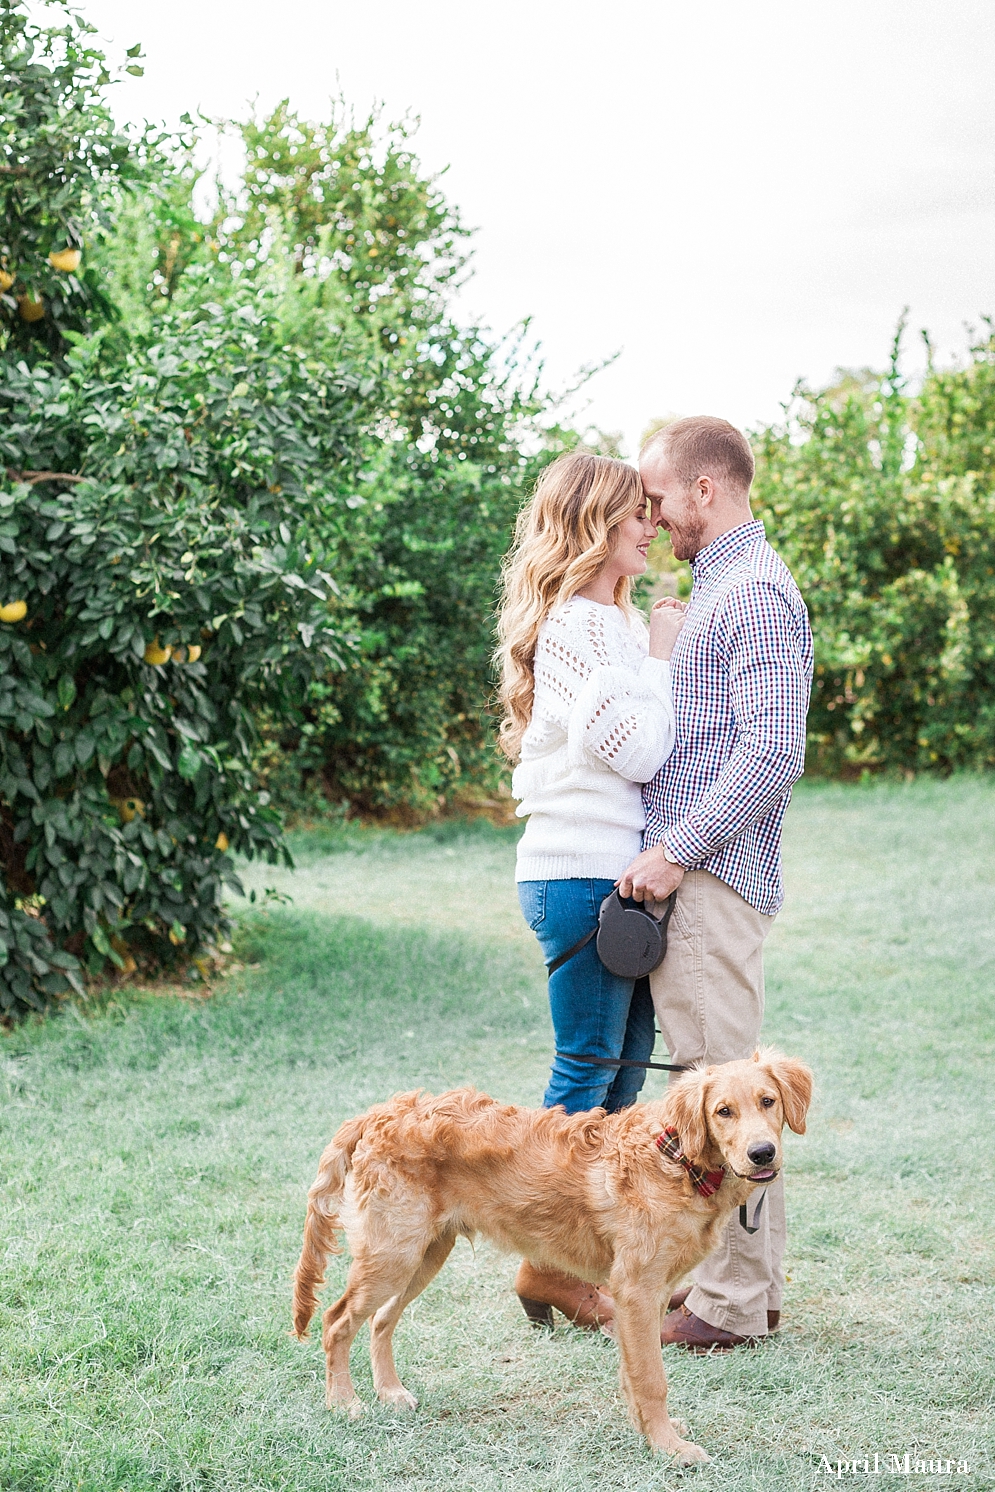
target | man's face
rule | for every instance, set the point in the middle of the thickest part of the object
(673, 506)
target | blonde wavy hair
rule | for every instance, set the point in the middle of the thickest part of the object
(564, 537)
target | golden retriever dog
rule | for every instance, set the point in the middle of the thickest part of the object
(636, 1198)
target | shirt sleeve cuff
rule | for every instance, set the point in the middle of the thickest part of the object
(681, 841)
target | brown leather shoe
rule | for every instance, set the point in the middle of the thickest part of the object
(540, 1290)
(680, 1296)
(683, 1329)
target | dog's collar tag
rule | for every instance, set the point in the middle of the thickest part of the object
(705, 1183)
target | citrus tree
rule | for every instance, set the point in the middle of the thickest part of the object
(161, 585)
(169, 498)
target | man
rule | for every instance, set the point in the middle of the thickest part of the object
(742, 676)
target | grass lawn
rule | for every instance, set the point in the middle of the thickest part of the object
(154, 1159)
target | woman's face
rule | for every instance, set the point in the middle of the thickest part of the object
(632, 539)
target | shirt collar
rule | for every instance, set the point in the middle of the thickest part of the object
(726, 547)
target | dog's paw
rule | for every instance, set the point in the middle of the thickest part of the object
(690, 1455)
(399, 1398)
(685, 1452)
(353, 1407)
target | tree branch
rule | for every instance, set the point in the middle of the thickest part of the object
(43, 476)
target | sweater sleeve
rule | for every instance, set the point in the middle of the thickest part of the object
(620, 714)
(626, 719)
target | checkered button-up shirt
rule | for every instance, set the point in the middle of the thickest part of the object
(742, 677)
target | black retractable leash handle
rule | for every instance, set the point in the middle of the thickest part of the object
(631, 943)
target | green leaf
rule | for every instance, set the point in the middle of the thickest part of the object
(189, 763)
(161, 756)
(63, 960)
(67, 690)
(64, 758)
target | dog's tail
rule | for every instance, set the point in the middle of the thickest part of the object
(322, 1222)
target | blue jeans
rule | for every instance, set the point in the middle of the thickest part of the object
(594, 1012)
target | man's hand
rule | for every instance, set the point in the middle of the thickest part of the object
(651, 876)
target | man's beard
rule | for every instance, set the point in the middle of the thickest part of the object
(687, 533)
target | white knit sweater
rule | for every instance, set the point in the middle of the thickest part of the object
(602, 723)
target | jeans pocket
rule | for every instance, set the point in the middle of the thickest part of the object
(532, 900)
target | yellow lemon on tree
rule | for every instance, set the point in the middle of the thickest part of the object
(156, 655)
(30, 309)
(6, 280)
(193, 652)
(14, 611)
(66, 259)
(221, 843)
(130, 808)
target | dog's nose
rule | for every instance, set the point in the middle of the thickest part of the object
(762, 1155)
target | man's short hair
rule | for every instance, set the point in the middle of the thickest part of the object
(704, 446)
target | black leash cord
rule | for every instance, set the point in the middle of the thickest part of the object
(566, 957)
(622, 1062)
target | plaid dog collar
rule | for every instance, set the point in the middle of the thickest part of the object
(705, 1183)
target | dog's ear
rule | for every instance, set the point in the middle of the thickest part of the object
(794, 1080)
(686, 1112)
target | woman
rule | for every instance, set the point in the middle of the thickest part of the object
(586, 696)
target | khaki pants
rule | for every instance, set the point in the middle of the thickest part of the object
(709, 999)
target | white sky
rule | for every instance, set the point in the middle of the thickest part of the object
(732, 195)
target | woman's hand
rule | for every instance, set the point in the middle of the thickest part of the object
(666, 621)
